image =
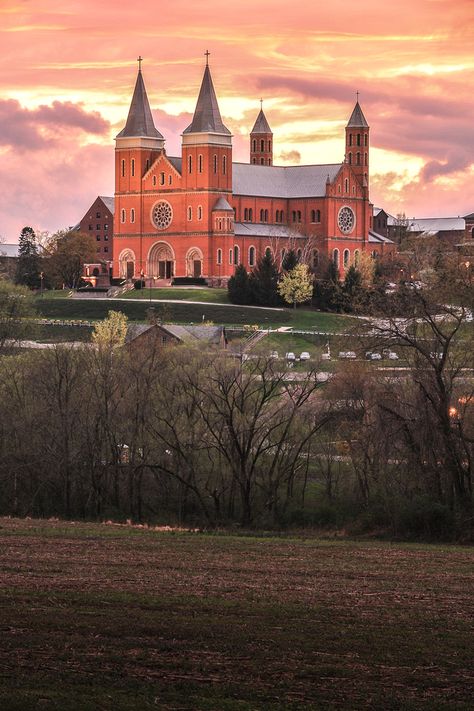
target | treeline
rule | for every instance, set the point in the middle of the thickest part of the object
(178, 435)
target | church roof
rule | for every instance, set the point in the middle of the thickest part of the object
(260, 229)
(222, 204)
(436, 224)
(8, 249)
(261, 124)
(379, 239)
(296, 181)
(207, 117)
(190, 334)
(139, 120)
(357, 119)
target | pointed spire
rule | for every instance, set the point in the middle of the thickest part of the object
(207, 117)
(140, 121)
(261, 124)
(357, 119)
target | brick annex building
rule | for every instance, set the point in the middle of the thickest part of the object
(201, 214)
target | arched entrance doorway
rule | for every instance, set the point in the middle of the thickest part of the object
(161, 261)
(126, 264)
(194, 260)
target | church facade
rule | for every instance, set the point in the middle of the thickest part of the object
(201, 214)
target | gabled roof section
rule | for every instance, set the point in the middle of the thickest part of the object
(109, 203)
(357, 119)
(139, 120)
(222, 204)
(436, 224)
(207, 117)
(296, 181)
(261, 124)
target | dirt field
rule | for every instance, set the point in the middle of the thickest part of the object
(115, 617)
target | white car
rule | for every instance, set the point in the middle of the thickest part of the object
(305, 356)
(391, 355)
(290, 356)
(347, 354)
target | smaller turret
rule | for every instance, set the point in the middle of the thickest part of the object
(261, 141)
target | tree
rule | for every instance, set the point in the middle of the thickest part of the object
(263, 282)
(327, 292)
(296, 286)
(16, 312)
(28, 268)
(110, 332)
(68, 252)
(290, 260)
(238, 287)
(352, 289)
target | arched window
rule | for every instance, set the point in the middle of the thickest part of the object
(132, 215)
(346, 185)
(293, 215)
(190, 164)
(318, 215)
(358, 159)
(246, 214)
(269, 161)
(162, 178)
(335, 257)
(224, 165)
(231, 254)
(133, 167)
(215, 164)
(262, 215)
(236, 255)
(170, 179)
(147, 164)
(315, 258)
(353, 189)
(123, 169)
(250, 214)
(254, 145)
(200, 163)
(262, 146)
(219, 223)
(268, 252)
(199, 212)
(299, 215)
(356, 258)
(154, 180)
(219, 256)
(365, 140)
(350, 139)
(350, 157)
(282, 215)
(266, 215)
(251, 256)
(262, 161)
(254, 161)
(374, 254)
(190, 213)
(269, 146)
(122, 216)
(365, 158)
(358, 139)
(346, 258)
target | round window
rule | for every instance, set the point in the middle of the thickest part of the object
(346, 220)
(162, 215)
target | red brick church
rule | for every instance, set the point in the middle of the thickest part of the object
(201, 214)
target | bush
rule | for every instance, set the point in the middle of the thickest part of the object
(139, 284)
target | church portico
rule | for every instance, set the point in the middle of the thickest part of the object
(161, 261)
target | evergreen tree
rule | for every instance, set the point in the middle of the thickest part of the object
(28, 267)
(290, 260)
(327, 292)
(238, 287)
(352, 289)
(263, 282)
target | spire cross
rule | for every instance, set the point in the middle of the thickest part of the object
(261, 104)
(357, 94)
(206, 54)
(140, 60)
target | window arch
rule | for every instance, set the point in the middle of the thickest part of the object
(246, 214)
(190, 213)
(132, 214)
(123, 168)
(346, 185)
(350, 139)
(335, 257)
(133, 167)
(365, 158)
(358, 139)
(190, 164)
(268, 251)
(250, 214)
(224, 165)
(251, 256)
(219, 256)
(236, 255)
(358, 159)
(215, 163)
(154, 180)
(122, 216)
(262, 146)
(266, 215)
(262, 215)
(254, 145)
(269, 146)
(350, 157)
(356, 258)
(346, 258)
(254, 161)
(199, 212)
(200, 163)
(231, 254)
(365, 140)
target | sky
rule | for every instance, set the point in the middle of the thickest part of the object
(68, 68)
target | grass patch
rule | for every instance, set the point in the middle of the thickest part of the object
(115, 617)
(214, 296)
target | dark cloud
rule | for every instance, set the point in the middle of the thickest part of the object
(35, 129)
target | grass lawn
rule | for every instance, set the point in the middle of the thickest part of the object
(114, 617)
(90, 309)
(177, 293)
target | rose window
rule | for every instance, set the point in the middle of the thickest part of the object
(346, 220)
(162, 215)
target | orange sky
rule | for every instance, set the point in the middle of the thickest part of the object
(68, 69)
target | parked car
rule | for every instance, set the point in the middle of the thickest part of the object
(290, 356)
(391, 355)
(347, 354)
(305, 356)
(325, 356)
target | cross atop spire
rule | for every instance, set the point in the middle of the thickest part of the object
(206, 54)
(261, 104)
(140, 60)
(357, 95)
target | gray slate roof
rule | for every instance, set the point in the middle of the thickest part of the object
(436, 224)
(375, 237)
(109, 203)
(296, 181)
(207, 117)
(177, 163)
(357, 119)
(222, 204)
(139, 120)
(261, 124)
(259, 229)
(189, 334)
(8, 249)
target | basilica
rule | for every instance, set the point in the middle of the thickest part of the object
(200, 214)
